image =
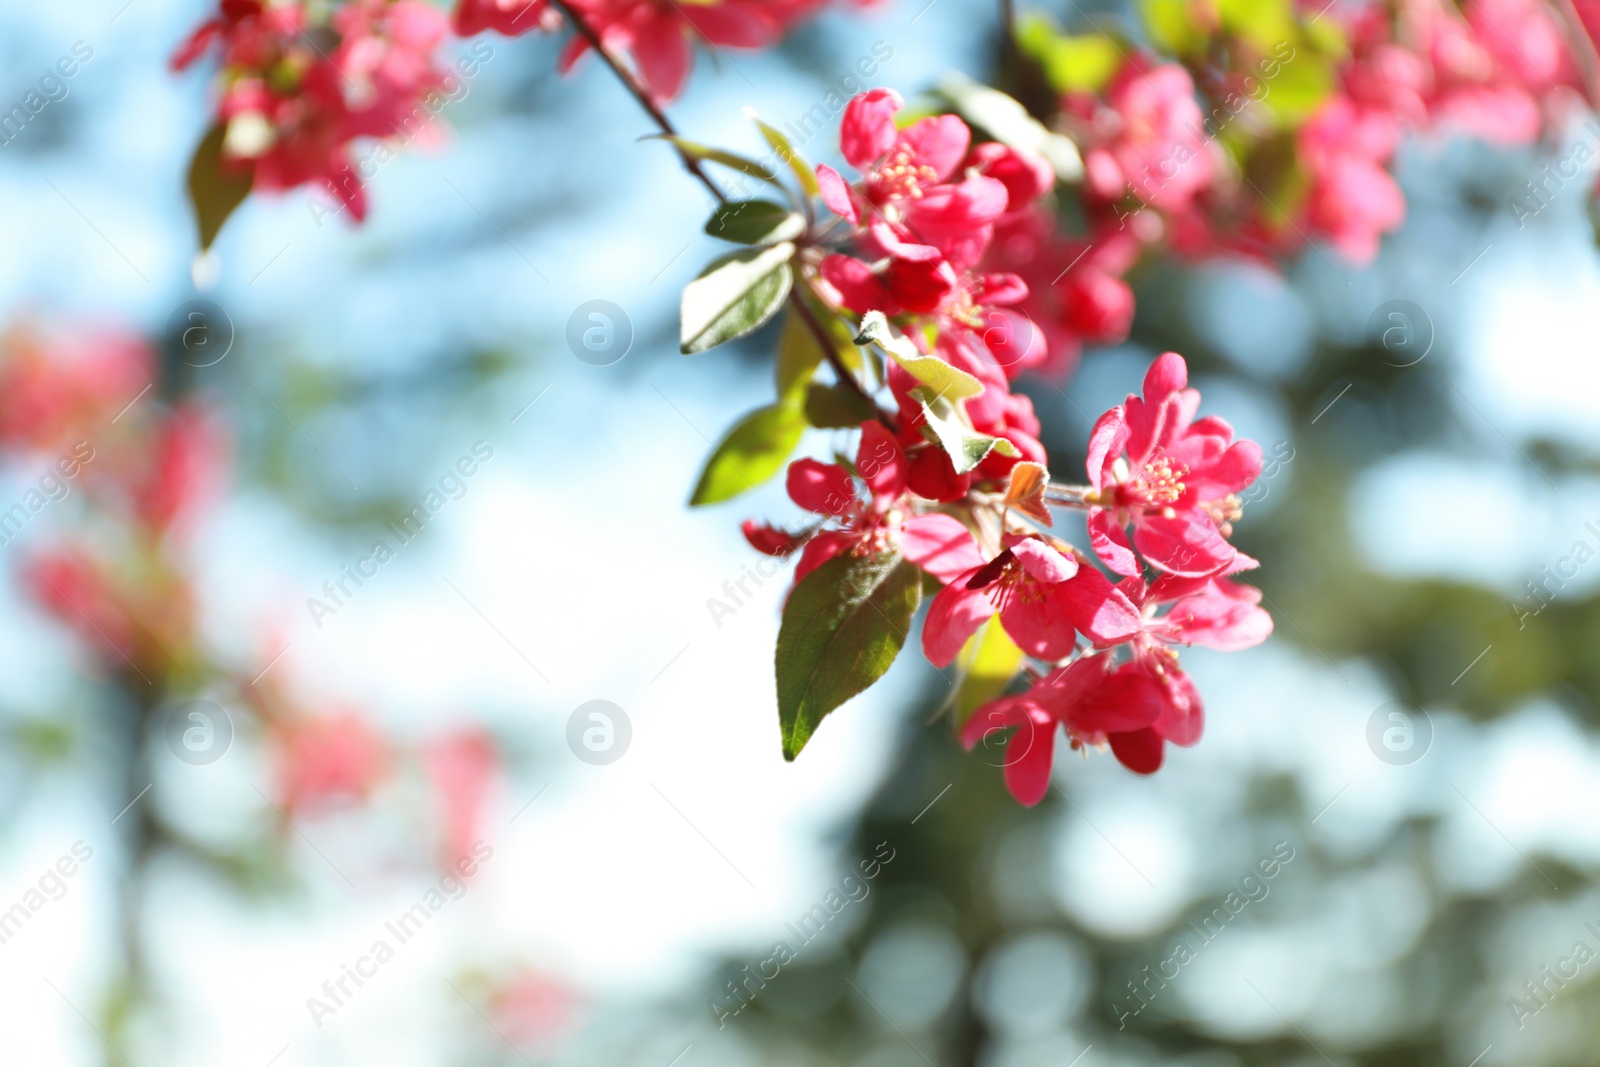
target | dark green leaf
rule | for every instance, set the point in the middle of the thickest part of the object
(842, 628)
(837, 407)
(734, 295)
(753, 451)
(215, 191)
(753, 222)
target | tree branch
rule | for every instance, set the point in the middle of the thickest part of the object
(642, 97)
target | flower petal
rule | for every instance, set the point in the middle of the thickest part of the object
(837, 194)
(867, 132)
(1140, 751)
(1099, 610)
(940, 545)
(825, 488)
(955, 615)
(1188, 543)
(1110, 543)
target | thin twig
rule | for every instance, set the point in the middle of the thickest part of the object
(638, 92)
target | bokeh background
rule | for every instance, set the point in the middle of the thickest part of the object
(1415, 736)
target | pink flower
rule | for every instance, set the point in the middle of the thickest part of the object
(1353, 199)
(937, 543)
(185, 467)
(658, 34)
(1083, 696)
(77, 589)
(1075, 291)
(507, 17)
(906, 179)
(463, 766)
(1173, 478)
(322, 760)
(1044, 599)
(61, 387)
(1213, 612)
(1147, 139)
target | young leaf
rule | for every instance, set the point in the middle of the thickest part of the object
(1011, 124)
(798, 357)
(947, 427)
(1072, 64)
(941, 377)
(699, 152)
(734, 295)
(752, 452)
(988, 661)
(215, 191)
(753, 222)
(842, 628)
(1025, 492)
(837, 407)
(780, 144)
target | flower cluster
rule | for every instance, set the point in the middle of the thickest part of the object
(657, 35)
(922, 218)
(302, 81)
(297, 89)
(1173, 481)
(116, 571)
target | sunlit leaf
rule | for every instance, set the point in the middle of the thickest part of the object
(753, 451)
(947, 427)
(733, 296)
(988, 661)
(941, 377)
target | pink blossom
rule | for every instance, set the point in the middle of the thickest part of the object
(1172, 477)
(1044, 599)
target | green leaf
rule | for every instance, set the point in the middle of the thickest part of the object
(947, 427)
(941, 377)
(842, 628)
(1009, 122)
(1263, 23)
(734, 295)
(753, 451)
(1301, 85)
(215, 191)
(1072, 64)
(837, 407)
(780, 144)
(988, 662)
(1172, 27)
(753, 222)
(703, 153)
(799, 354)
